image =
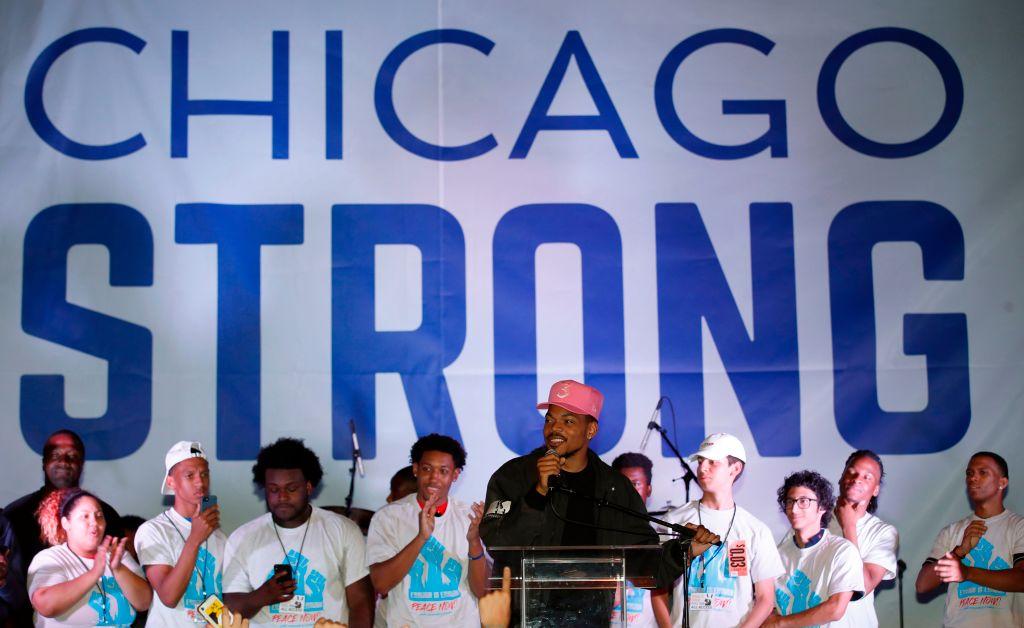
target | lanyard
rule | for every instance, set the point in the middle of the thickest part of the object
(98, 584)
(309, 522)
(701, 575)
(200, 573)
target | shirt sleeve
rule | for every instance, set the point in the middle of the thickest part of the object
(1017, 549)
(44, 571)
(380, 540)
(236, 575)
(881, 550)
(765, 561)
(151, 548)
(847, 573)
(941, 545)
(353, 558)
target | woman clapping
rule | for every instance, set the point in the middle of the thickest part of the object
(86, 578)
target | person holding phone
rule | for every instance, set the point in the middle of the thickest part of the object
(326, 574)
(182, 548)
(85, 578)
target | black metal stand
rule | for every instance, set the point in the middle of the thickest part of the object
(900, 568)
(688, 475)
(352, 476)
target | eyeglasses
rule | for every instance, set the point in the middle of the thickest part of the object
(803, 503)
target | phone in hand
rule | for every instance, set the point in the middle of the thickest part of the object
(282, 572)
(212, 610)
(208, 502)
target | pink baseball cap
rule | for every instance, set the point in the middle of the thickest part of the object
(575, 397)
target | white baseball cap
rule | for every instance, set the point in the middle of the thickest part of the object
(719, 445)
(182, 450)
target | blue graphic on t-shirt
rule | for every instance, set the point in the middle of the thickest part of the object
(800, 597)
(714, 576)
(204, 572)
(119, 612)
(435, 575)
(309, 583)
(981, 557)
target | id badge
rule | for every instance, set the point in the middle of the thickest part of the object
(294, 606)
(211, 610)
(700, 602)
(738, 564)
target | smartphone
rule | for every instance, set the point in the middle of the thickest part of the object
(212, 609)
(208, 502)
(283, 572)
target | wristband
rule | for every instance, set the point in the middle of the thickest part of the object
(478, 556)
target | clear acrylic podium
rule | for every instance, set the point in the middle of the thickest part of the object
(574, 585)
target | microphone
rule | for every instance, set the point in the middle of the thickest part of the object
(651, 425)
(901, 567)
(554, 481)
(357, 456)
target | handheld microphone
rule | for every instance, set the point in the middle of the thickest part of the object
(357, 456)
(651, 424)
(554, 481)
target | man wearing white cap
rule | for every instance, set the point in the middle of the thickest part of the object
(732, 584)
(182, 548)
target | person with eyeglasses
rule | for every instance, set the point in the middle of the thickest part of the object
(824, 572)
(298, 563)
(63, 462)
(85, 577)
(182, 548)
(731, 584)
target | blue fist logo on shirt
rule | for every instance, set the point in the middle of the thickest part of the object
(434, 576)
(799, 598)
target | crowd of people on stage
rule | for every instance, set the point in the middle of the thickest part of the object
(68, 559)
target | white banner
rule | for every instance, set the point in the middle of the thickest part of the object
(232, 222)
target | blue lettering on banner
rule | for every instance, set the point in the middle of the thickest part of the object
(238, 231)
(36, 110)
(333, 92)
(607, 118)
(383, 95)
(846, 134)
(46, 314)
(182, 107)
(359, 351)
(516, 239)
(941, 338)
(764, 367)
(773, 139)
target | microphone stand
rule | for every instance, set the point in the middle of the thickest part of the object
(352, 476)
(684, 535)
(688, 475)
(900, 568)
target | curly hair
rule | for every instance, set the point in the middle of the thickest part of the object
(441, 443)
(631, 459)
(867, 453)
(55, 506)
(814, 481)
(287, 453)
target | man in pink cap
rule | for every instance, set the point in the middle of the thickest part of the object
(522, 509)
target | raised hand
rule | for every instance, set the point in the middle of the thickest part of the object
(204, 523)
(496, 606)
(949, 569)
(473, 534)
(547, 466)
(117, 547)
(277, 589)
(234, 620)
(972, 534)
(427, 517)
(99, 561)
(848, 513)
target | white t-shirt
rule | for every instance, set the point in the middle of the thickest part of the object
(436, 590)
(814, 574)
(639, 611)
(718, 598)
(970, 604)
(58, 564)
(331, 558)
(878, 543)
(160, 541)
